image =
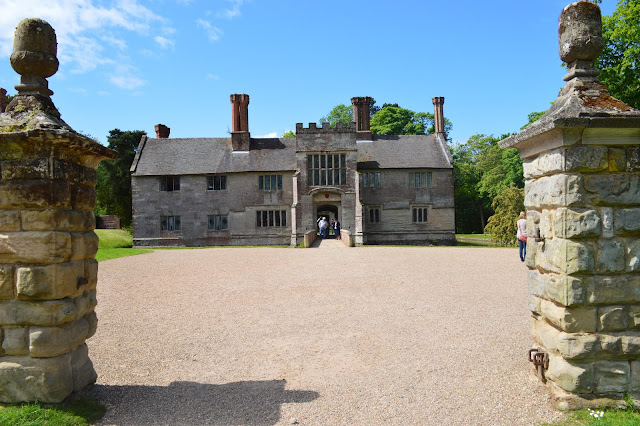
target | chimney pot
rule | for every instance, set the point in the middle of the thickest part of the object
(162, 131)
(361, 112)
(240, 135)
(438, 114)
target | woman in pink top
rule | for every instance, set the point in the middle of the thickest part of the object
(522, 235)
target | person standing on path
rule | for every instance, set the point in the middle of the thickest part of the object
(323, 224)
(336, 228)
(522, 235)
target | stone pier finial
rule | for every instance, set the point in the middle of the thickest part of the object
(34, 56)
(580, 38)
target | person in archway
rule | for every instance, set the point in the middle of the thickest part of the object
(522, 235)
(324, 225)
(335, 224)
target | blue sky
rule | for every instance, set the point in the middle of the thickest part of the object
(132, 64)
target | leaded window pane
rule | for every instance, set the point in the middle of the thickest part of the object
(261, 182)
(279, 181)
(284, 218)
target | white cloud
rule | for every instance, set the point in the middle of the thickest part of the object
(164, 42)
(211, 76)
(269, 135)
(214, 33)
(124, 77)
(91, 33)
(233, 11)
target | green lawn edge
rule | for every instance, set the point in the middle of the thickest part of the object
(75, 412)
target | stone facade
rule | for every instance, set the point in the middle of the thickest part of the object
(582, 195)
(48, 271)
(304, 190)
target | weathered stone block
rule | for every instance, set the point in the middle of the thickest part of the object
(627, 221)
(631, 344)
(58, 220)
(545, 335)
(565, 289)
(34, 194)
(613, 318)
(634, 382)
(610, 346)
(46, 380)
(50, 282)
(46, 313)
(612, 189)
(566, 256)
(37, 168)
(53, 341)
(578, 346)
(611, 377)
(92, 320)
(84, 245)
(606, 213)
(546, 224)
(617, 160)
(35, 247)
(576, 378)
(570, 320)
(554, 191)
(532, 253)
(577, 223)
(9, 221)
(83, 197)
(82, 368)
(632, 261)
(536, 283)
(534, 304)
(91, 268)
(610, 255)
(6, 282)
(74, 173)
(612, 289)
(547, 163)
(86, 302)
(634, 316)
(633, 158)
(587, 158)
(16, 341)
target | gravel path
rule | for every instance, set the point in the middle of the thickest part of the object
(360, 336)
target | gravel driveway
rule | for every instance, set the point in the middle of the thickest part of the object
(335, 335)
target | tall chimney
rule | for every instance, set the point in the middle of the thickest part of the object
(438, 115)
(162, 131)
(361, 111)
(240, 122)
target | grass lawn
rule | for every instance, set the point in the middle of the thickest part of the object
(605, 417)
(74, 412)
(116, 243)
(479, 236)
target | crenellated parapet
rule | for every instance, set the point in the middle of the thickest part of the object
(326, 128)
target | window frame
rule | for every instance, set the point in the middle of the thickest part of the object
(420, 179)
(273, 181)
(371, 180)
(327, 169)
(174, 186)
(221, 181)
(271, 218)
(218, 218)
(419, 214)
(170, 221)
(374, 215)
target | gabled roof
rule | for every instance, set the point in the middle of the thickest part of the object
(404, 152)
(185, 156)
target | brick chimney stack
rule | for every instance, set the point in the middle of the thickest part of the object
(361, 112)
(162, 131)
(438, 115)
(240, 122)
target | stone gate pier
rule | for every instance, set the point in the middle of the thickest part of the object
(582, 195)
(48, 271)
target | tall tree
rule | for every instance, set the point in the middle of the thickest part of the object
(394, 120)
(620, 61)
(507, 205)
(339, 114)
(114, 180)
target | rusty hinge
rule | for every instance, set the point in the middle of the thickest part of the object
(540, 360)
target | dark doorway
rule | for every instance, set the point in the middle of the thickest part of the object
(328, 211)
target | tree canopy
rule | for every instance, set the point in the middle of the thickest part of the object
(114, 181)
(620, 61)
(289, 134)
(507, 205)
(339, 114)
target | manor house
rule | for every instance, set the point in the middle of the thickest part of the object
(262, 191)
